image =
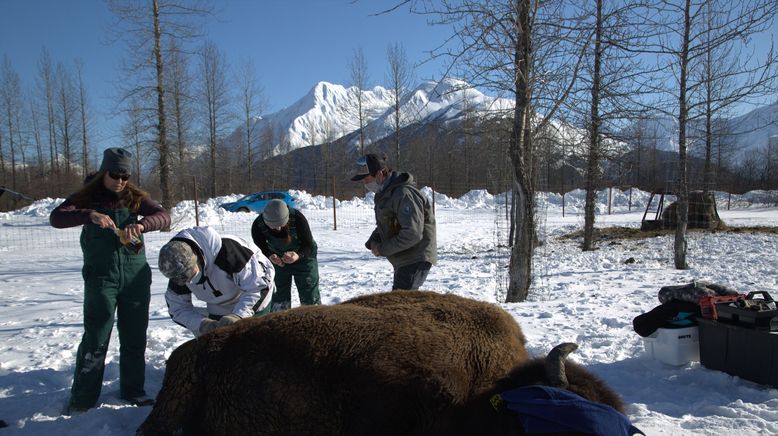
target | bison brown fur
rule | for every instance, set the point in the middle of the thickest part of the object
(389, 363)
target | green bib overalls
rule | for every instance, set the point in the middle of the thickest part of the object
(305, 271)
(116, 281)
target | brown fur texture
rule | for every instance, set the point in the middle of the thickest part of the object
(382, 364)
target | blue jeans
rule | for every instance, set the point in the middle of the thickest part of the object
(411, 276)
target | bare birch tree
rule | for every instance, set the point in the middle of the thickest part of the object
(688, 34)
(215, 99)
(180, 96)
(35, 125)
(359, 83)
(10, 95)
(83, 111)
(46, 89)
(145, 26)
(609, 80)
(515, 47)
(400, 76)
(66, 112)
(253, 104)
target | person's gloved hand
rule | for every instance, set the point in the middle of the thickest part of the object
(227, 320)
(207, 325)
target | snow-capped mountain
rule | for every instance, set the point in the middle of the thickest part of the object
(749, 133)
(756, 129)
(328, 112)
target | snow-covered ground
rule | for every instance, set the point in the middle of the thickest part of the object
(587, 298)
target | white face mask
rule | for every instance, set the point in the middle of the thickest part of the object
(373, 186)
(197, 277)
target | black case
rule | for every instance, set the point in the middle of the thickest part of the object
(731, 313)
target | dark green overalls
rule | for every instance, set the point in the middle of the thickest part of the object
(305, 271)
(116, 280)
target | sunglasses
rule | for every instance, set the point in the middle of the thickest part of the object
(117, 176)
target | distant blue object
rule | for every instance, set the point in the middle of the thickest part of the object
(257, 201)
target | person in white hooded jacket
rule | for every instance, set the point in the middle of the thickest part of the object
(233, 278)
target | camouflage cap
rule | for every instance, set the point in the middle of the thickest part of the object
(177, 261)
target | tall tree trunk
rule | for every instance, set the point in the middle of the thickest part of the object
(164, 166)
(593, 164)
(679, 246)
(521, 161)
(84, 139)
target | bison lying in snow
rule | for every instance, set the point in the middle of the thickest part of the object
(393, 364)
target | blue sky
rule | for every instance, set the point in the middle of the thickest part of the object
(294, 44)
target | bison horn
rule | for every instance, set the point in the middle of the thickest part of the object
(555, 364)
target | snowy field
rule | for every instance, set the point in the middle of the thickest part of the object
(586, 298)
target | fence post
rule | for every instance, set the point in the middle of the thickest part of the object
(629, 206)
(197, 210)
(729, 198)
(334, 211)
(610, 196)
(563, 204)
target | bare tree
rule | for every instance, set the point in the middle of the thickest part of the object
(215, 99)
(726, 75)
(400, 76)
(690, 33)
(84, 115)
(608, 78)
(66, 108)
(36, 132)
(253, 104)
(10, 94)
(513, 46)
(46, 87)
(137, 133)
(145, 26)
(179, 84)
(359, 80)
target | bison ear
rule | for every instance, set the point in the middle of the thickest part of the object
(555, 364)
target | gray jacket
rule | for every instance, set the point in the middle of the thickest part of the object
(405, 224)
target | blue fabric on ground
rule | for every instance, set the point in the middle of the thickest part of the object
(543, 409)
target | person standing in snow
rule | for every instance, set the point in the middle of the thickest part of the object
(284, 236)
(117, 277)
(234, 279)
(405, 223)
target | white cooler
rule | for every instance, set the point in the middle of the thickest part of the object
(674, 346)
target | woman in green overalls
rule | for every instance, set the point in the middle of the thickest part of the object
(283, 235)
(117, 278)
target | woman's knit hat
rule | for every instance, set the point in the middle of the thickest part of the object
(117, 160)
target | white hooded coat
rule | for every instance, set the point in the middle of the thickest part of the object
(237, 278)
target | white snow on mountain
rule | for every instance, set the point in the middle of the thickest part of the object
(329, 111)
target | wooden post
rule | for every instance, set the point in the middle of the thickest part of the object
(610, 196)
(197, 211)
(563, 204)
(729, 198)
(334, 209)
(629, 206)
